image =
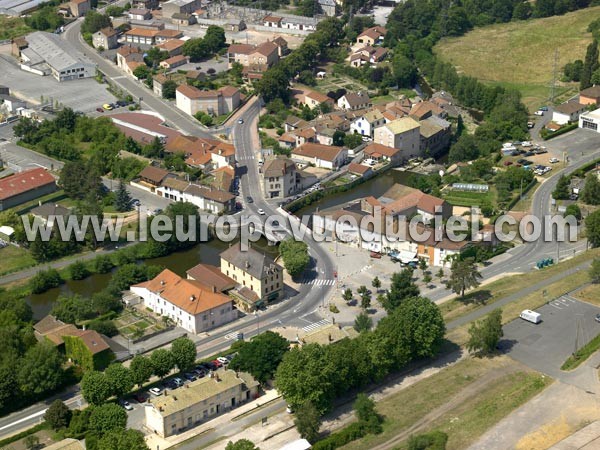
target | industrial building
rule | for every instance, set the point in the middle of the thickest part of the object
(48, 54)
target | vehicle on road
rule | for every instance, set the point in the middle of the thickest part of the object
(261, 211)
(240, 121)
(530, 125)
(156, 391)
(107, 107)
(375, 255)
(531, 316)
(135, 202)
(597, 318)
(249, 199)
(125, 404)
(553, 160)
(539, 113)
(100, 110)
(543, 108)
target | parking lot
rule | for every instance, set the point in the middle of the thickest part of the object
(567, 323)
(80, 95)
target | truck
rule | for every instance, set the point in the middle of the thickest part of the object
(531, 316)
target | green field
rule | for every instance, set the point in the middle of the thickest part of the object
(12, 27)
(521, 54)
(464, 198)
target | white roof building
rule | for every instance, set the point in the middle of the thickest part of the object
(48, 54)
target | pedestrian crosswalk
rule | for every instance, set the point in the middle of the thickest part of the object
(244, 157)
(232, 336)
(316, 325)
(318, 282)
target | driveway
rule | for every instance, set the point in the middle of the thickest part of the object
(566, 324)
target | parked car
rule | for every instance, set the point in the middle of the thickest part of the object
(178, 381)
(261, 211)
(189, 376)
(121, 103)
(249, 199)
(212, 365)
(240, 121)
(135, 202)
(217, 363)
(508, 163)
(553, 160)
(125, 404)
(140, 397)
(375, 255)
(530, 125)
(100, 110)
(107, 107)
(539, 113)
(156, 391)
(543, 108)
(223, 360)
(597, 318)
(528, 154)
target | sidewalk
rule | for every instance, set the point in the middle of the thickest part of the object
(155, 441)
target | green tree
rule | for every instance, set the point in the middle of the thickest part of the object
(261, 356)
(78, 270)
(363, 322)
(95, 21)
(308, 421)
(592, 228)
(108, 417)
(422, 265)
(595, 271)
(590, 65)
(435, 440)
(155, 55)
(118, 439)
(463, 275)
(122, 198)
(591, 190)
(119, 379)
(162, 362)
(40, 370)
(376, 283)
(142, 72)
(169, 89)
(364, 408)
(183, 350)
(484, 335)
(141, 369)
(365, 300)
(561, 192)
(440, 274)
(58, 415)
(352, 140)
(295, 256)
(402, 287)
(32, 442)
(347, 295)
(241, 444)
(573, 210)
(95, 387)
(404, 71)
(274, 84)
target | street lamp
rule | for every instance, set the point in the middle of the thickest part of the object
(257, 322)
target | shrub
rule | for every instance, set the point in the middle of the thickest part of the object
(436, 440)
(78, 270)
(45, 280)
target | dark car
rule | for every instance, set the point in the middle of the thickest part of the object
(529, 154)
(189, 376)
(212, 366)
(121, 103)
(100, 110)
(140, 397)
(249, 199)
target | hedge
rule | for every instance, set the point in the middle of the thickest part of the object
(547, 135)
(22, 434)
(352, 432)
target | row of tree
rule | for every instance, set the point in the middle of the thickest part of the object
(118, 380)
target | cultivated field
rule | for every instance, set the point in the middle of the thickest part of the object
(521, 54)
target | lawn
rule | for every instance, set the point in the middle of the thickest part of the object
(521, 54)
(15, 259)
(465, 409)
(12, 27)
(464, 198)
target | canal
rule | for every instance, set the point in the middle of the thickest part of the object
(179, 262)
(375, 187)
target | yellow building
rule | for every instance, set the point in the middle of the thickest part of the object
(188, 406)
(254, 270)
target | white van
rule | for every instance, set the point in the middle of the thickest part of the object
(531, 316)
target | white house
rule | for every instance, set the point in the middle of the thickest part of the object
(325, 156)
(353, 101)
(366, 124)
(188, 303)
(567, 112)
(205, 198)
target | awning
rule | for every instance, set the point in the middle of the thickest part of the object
(406, 256)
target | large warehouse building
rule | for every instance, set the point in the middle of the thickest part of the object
(48, 54)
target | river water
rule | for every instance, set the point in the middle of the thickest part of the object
(180, 262)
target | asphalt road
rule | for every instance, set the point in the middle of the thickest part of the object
(167, 109)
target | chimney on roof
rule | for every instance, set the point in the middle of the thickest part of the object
(162, 282)
(214, 289)
(192, 298)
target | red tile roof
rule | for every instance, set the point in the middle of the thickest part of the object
(22, 182)
(323, 152)
(384, 150)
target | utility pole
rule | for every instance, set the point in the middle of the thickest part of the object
(554, 75)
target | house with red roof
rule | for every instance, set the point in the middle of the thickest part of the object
(190, 304)
(25, 186)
